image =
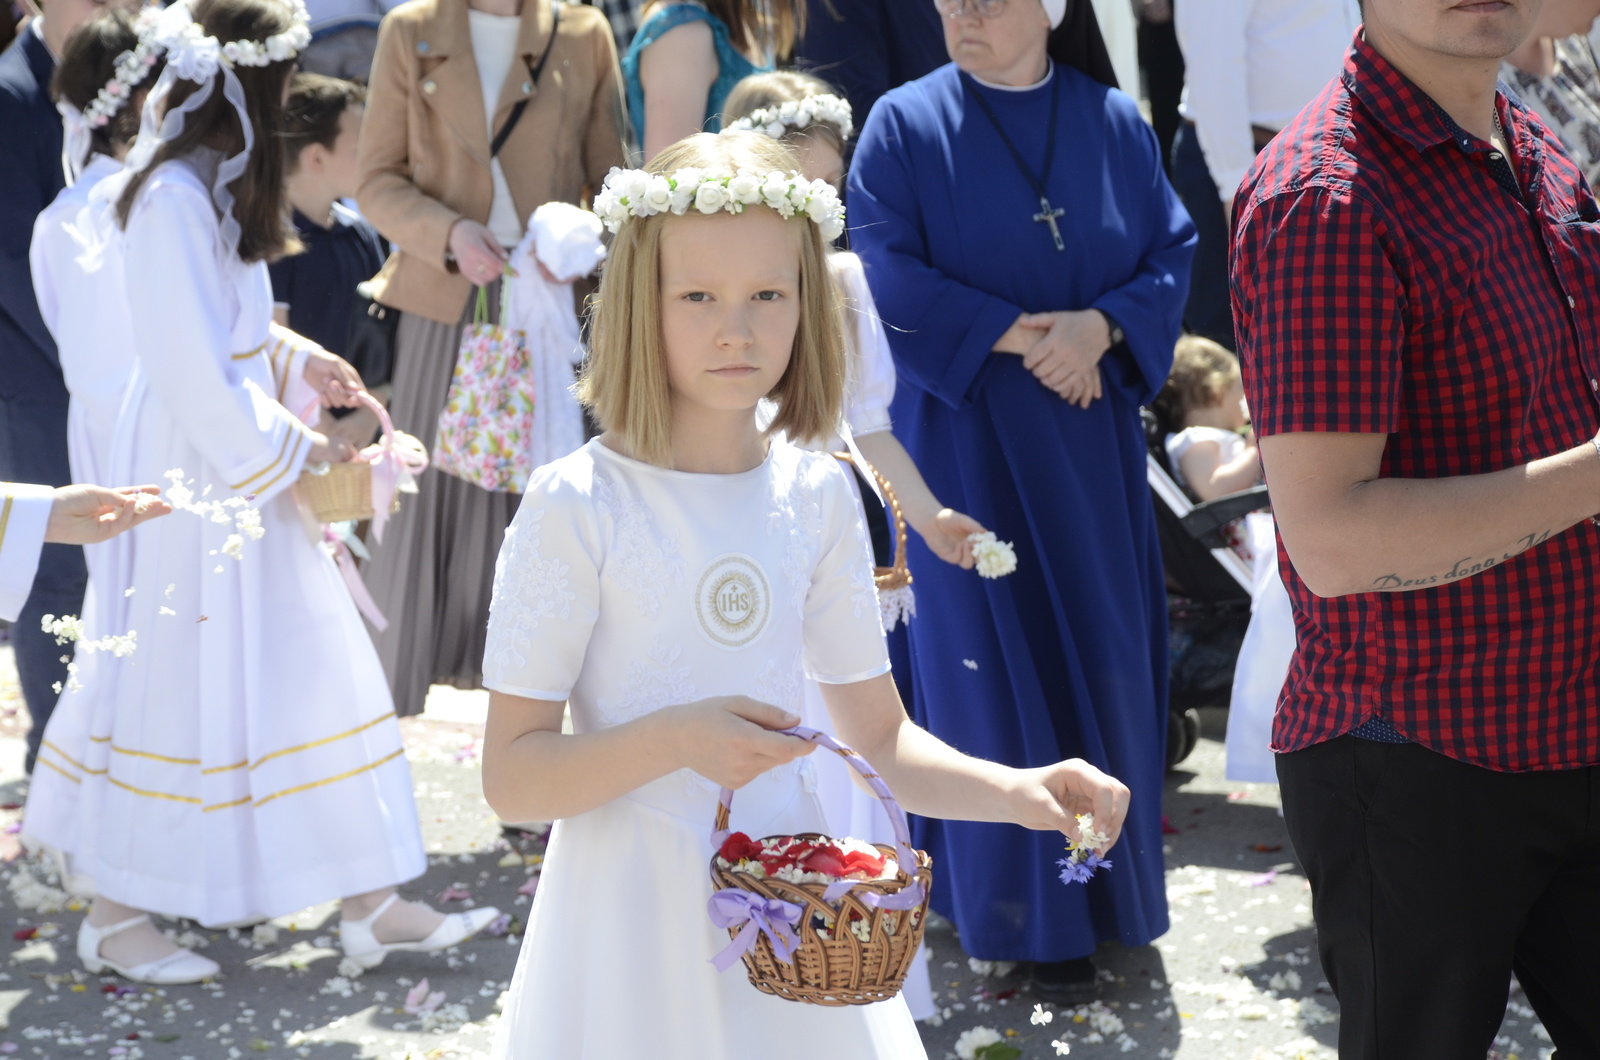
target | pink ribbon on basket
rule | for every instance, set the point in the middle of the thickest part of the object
(731, 907)
(352, 579)
(396, 458)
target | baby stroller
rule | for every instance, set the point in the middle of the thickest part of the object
(1208, 592)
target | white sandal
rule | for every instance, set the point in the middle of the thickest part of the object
(362, 946)
(184, 966)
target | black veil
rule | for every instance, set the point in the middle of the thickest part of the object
(1077, 42)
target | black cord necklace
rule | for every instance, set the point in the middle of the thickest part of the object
(1047, 214)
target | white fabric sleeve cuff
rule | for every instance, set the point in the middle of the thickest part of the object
(24, 516)
(849, 679)
(527, 693)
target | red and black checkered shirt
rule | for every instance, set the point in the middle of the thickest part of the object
(1390, 277)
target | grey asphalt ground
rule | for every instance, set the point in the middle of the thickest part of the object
(1235, 979)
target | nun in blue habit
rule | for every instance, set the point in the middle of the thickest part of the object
(1031, 262)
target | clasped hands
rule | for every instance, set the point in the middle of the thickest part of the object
(1062, 349)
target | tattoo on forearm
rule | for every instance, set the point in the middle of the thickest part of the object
(1465, 567)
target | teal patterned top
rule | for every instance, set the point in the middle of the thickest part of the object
(731, 66)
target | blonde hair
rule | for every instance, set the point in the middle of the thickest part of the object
(761, 91)
(624, 381)
(1202, 372)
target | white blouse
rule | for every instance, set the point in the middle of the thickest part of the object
(494, 47)
(625, 587)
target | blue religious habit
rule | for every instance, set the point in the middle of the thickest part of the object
(1067, 656)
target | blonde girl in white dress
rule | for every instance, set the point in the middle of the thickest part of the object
(246, 763)
(675, 582)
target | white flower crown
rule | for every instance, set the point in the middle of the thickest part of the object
(636, 193)
(194, 56)
(813, 110)
(131, 68)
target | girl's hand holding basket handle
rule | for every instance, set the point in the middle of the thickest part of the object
(333, 378)
(730, 740)
(325, 450)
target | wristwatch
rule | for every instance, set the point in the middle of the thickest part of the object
(1113, 327)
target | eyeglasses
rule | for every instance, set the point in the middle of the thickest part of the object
(980, 8)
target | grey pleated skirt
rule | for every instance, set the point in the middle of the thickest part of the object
(433, 575)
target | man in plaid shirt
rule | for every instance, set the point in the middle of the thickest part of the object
(1417, 287)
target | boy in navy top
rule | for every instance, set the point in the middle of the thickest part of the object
(316, 290)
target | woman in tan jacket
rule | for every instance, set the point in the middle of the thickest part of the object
(449, 77)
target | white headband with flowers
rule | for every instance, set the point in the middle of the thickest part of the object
(636, 193)
(813, 110)
(194, 55)
(129, 70)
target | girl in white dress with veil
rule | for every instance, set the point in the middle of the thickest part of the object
(246, 762)
(675, 581)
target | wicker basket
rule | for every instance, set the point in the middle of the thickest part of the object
(887, 579)
(342, 492)
(840, 969)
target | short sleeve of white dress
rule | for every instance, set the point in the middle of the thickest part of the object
(871, 378)
(546, 586)
(843, 631)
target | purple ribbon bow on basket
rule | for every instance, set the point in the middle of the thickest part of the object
(730, 908)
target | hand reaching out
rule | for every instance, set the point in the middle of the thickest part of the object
(87, 515)
(1067, 358)
(947, 534)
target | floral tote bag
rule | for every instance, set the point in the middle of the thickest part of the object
(487, 423)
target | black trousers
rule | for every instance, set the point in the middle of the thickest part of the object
(1432, 880)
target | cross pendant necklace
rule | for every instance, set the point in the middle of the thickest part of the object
(1047, 214)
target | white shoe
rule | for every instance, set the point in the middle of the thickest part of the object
(184, 966)
(363, 947)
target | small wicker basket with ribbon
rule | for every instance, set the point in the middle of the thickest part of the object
(369, 486)
(895, 599)
(848, 942)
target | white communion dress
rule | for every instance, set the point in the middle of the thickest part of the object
(623, 588)
(247, 762)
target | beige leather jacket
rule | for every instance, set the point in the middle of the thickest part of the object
(424, 149)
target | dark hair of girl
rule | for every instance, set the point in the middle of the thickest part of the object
(264, 231)
(312, 116)
(772, 25)
(89, 62)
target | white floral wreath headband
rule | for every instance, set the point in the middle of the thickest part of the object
(813, 110)
(194, 56)
(129, 69)
(636, 193)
